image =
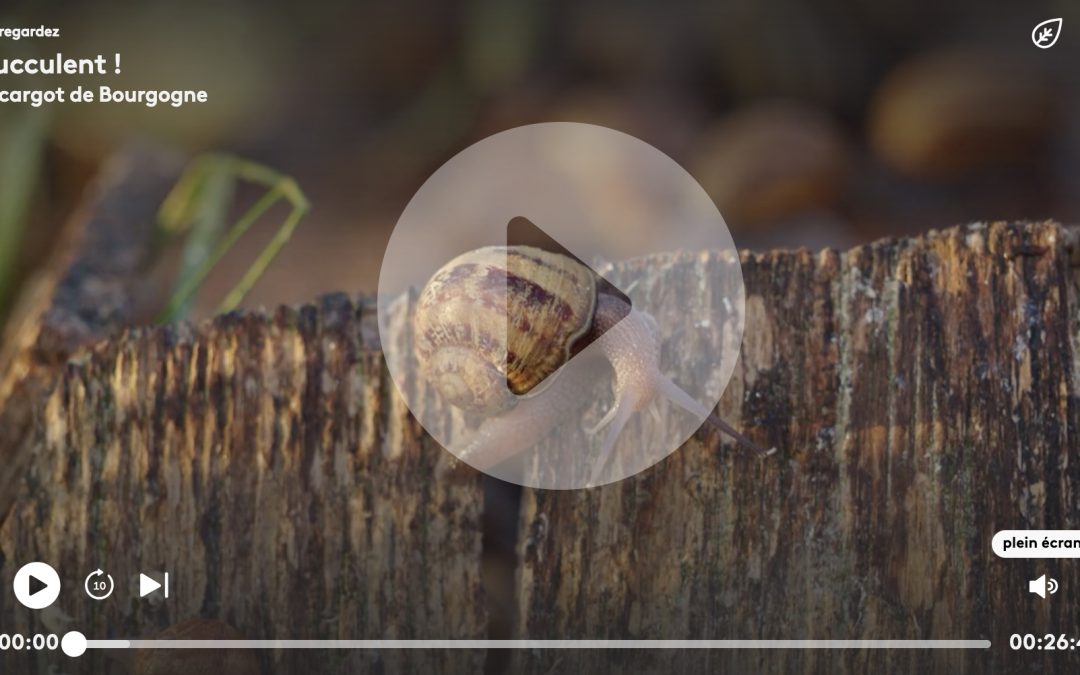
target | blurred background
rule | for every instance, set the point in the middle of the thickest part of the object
(815, 124)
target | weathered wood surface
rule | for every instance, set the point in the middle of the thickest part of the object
(264, 463)
(921, 394)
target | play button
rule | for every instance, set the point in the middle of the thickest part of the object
(36, 585)
(527, 323)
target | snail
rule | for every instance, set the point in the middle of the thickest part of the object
(495, 323)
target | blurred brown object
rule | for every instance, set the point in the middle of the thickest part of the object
(769, 161)
(185, 661)
(958, 110)
(669, 121)
(785, 49)
(627, 42)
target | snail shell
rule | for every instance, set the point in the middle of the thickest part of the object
(494, 323)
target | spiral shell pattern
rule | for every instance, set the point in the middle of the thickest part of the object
(501, 318)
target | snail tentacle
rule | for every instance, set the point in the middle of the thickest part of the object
(619, 415)
(679, 397)
(604, 421)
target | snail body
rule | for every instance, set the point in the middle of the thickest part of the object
(494, 326)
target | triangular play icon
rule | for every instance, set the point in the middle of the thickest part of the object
(35, 585)
(147, 585)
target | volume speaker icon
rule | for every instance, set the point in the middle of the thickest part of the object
(1042, 586)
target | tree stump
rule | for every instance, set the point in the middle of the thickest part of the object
(921, 393)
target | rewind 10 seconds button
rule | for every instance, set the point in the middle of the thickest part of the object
(99, 585)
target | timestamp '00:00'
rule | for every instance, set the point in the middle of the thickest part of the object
(1048, 642)
(38, 641)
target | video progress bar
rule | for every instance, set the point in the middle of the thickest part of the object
(538, 644)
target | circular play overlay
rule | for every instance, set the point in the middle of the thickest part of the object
(521, 321)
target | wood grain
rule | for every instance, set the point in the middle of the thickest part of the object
(922, 394)
(254, 459)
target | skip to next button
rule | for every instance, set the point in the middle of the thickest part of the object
(1037, 543)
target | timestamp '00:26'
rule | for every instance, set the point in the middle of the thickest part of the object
(1048, 642)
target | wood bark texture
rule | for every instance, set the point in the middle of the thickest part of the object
(921, 394)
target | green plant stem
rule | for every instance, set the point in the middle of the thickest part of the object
(208, 221)
(180, 208)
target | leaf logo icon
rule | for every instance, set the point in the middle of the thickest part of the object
(1046, 33)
